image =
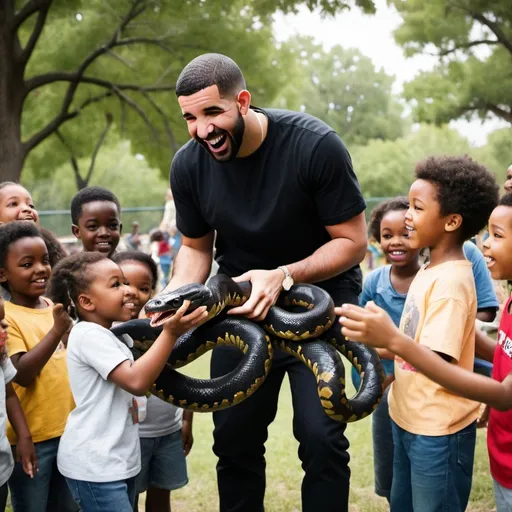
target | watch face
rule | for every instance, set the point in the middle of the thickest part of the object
(287, 283)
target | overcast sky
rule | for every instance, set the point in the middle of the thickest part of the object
(373, 36)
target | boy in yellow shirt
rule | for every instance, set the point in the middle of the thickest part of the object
(434, 430)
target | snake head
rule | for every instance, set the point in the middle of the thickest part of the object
(164, 306)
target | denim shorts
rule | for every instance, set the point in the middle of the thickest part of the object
(503, 497)
(48, 489)
(163, 463)
(118, 496)
(432, 473)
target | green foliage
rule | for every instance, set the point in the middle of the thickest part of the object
(386, 168)
(473, 39)
(170, 34)
(131, 178)
(343, 88)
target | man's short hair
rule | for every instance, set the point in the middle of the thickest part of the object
(211, 69)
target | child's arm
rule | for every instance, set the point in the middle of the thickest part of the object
(29, 364)
(484, 346)
(137, 377)
(373, 326)
(187, 439)
(25, 450)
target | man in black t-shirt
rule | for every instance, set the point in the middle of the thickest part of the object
(278, 190)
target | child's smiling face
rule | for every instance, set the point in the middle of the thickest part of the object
(498, 247)
(141, 280)
(99, 227)
(26, 268)
(16, 204)
(394, 239)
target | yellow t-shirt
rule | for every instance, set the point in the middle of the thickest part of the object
(440, 313)
(48, 401)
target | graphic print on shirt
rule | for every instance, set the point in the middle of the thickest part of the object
(505, 343)
(409, 326)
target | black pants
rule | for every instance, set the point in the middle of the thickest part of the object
(241, 431)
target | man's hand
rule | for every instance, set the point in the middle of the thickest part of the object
(266, 287)
(371, 325)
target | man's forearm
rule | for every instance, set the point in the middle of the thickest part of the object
(329, 260)
(190, 266)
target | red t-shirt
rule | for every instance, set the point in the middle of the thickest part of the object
(499, 432)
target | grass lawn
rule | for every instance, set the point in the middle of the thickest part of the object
(284, 473)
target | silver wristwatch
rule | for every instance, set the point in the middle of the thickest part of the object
(288, 279)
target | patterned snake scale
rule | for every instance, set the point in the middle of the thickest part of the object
(302, 323)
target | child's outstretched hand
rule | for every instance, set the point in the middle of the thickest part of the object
(180, 323)
(371, 325)
(26, 453)
(62, 322)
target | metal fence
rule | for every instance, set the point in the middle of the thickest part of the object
(148, 217)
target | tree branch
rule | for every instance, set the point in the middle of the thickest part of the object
(497, 110)
(42, 8)
(76, 78)
(494, 27)
(100, 142)
(465, 46)
(165, 120)
(26, 11)
(74, 162)
(63, 116)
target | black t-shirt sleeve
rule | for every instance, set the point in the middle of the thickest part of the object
(189, 219)
(333, 182)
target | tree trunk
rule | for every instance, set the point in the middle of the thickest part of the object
(12, 151)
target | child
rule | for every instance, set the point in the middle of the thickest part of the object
(16, 204)
(100, 449)
(498, 392)
(96, 217)
(387, 287)
(9, 403)
(36, 328)
(165, 439)
(161, 252)
(434, 430)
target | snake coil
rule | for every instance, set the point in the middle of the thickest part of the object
(302, 323)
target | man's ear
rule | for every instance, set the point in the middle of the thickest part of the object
(3, 276)
(76, 231)
(85, 303)
(453, 223)
(244, 101)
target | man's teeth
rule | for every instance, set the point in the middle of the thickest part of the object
(216, 140)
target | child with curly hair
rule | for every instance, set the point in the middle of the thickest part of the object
(99, 452)
(434, 430)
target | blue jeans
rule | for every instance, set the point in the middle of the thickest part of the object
(503, 497)
(48, 490)
(432, 473)
(104, 496)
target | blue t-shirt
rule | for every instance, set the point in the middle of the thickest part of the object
(377, 287)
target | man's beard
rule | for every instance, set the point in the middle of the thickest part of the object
(234, 141)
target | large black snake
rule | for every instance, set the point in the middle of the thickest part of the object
(301, 323)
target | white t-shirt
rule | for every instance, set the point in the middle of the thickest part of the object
(7, 373)
(161, 419)
(101, 439)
